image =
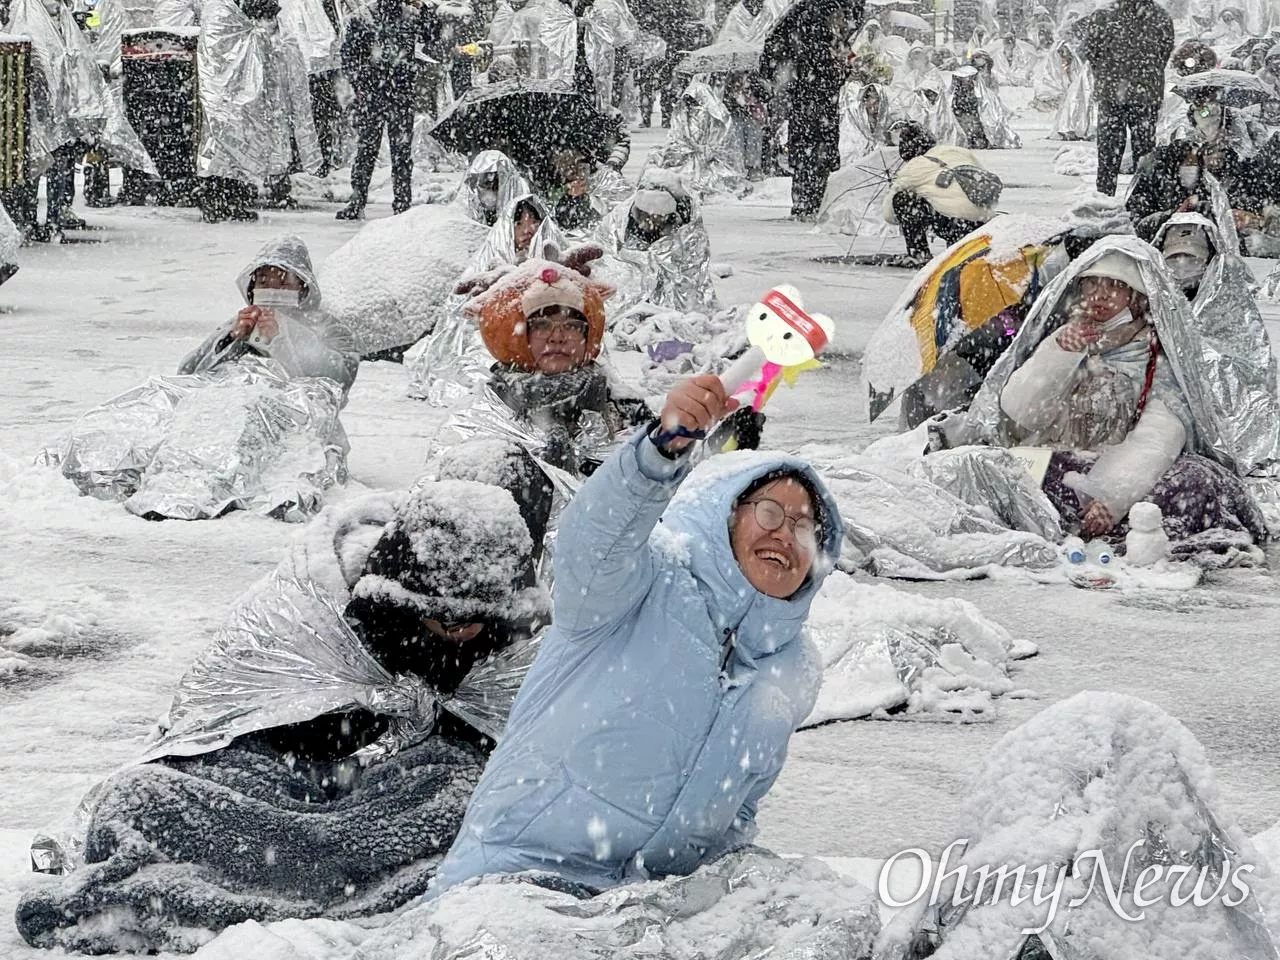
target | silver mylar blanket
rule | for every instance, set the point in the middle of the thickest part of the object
(704, 145)
(254, 97)
(673, 272)
(1223, 369)
(288, 656)
(934, 522)
(69, 98)
(244, 435)
(748, 905)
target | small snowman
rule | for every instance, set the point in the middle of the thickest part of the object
(785, 340)
(1146, 543)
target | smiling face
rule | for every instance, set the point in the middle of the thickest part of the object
(775, 562)
(454, 632)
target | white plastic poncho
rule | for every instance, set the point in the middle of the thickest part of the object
(994, 114)
(1077, 115)
(254, 97)
(1050, 78)
(861, 132)
(1014, 69)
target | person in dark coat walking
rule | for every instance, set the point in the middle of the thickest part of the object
(1127, 46)
(378, 59)
(812, 45)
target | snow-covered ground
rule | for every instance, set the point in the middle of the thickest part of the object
(100, 611)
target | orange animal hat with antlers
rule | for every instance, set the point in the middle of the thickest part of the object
(501, 311)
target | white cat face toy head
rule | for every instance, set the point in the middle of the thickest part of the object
(784, 332)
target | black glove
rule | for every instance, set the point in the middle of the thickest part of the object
(744, 425)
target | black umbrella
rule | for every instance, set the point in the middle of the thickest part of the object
(528, 120)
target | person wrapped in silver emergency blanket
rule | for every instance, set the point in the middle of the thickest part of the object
(543, 324)
(492, 182)
(255, 106)
(1114, 384)
(657, 250)
(319, 755)
(451, 360)
(704, 145)
(250, 422)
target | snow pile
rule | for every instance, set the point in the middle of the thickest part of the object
(678, 345)
(428, 187)
(885, 650)
(286, 940)
(34, 632)
(1098, 779)
(392, 280)
(1076, 161)
(744, 905)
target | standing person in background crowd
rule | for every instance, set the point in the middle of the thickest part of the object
(1127, 46)
(323, 82)
(815, 46)
(257, 123)
(378, 58)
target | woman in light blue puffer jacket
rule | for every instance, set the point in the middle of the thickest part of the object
(658, 711)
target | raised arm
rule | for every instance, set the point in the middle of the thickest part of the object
(603, 563)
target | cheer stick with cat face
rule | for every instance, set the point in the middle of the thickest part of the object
(785, 342)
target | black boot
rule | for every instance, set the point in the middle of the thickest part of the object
(352, 211)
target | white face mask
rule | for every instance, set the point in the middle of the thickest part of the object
(1189, 176)
(276, 297)
(488, 199)
(1187, 269)
(1118, 321)
(52, 7)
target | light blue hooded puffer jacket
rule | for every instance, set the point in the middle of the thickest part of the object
(659, 709)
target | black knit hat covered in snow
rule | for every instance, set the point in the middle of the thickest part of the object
(457, 551)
